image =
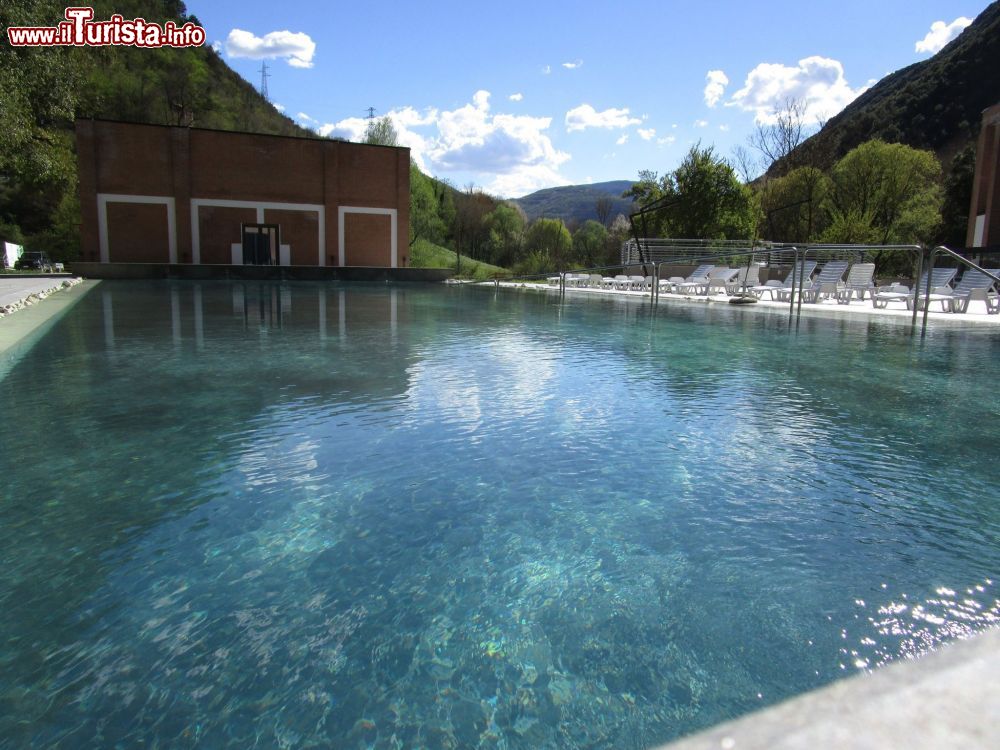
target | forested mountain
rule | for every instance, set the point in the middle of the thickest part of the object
(576, 203)
(935, 104)
(42, 91)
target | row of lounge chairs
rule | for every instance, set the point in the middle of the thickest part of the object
(829, 283)
(973, 286)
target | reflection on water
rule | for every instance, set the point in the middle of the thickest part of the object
(379, 516)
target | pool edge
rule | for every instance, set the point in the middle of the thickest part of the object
(948, 698)
(21, 330)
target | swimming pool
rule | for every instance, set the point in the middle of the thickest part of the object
(354, 516)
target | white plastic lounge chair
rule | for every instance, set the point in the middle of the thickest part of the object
(859, 281)
(782, 288)
(698, 279)
(620, 282)
(637, 283)
(829, 282)
(748, 277)
(974, 285)
(668, 284)
(719, 279)
(940, 284)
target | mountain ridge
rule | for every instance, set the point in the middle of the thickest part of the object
(933, 104)
(575, 203)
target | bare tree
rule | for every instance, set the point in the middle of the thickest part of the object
(775, 141)
(603, 207)
(745, 163)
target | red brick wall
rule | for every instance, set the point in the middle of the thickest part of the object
(187, 163)
(219, 228)
(300, 230)
(367, 239)
(137, 233)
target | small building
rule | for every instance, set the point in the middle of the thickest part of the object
(984, 212)
(178, 195)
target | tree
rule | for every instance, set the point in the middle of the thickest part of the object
(425, 217)
(505, 225)
(469, 229)
(620, 232)
(793, 206)
(745, 163)
(775, 141)
(885, 193)
(38, 94)
(958, 198)
(381, 132)
(551, 239)
(603, 207)
(701, 199)
(589, 242)
(892, 187)
(715, 204)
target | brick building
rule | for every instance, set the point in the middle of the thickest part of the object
(159, 194)
(984, 212)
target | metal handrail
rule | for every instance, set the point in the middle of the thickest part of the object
(943, 250)
(795, 252)
(688, 259)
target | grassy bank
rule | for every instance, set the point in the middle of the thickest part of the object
(424, 254)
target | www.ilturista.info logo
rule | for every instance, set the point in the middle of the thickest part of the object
(80, 30)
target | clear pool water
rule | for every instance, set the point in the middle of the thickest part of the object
(258, 515)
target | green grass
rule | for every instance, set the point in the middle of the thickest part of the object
(424, 254)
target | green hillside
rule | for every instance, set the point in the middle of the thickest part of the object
(935, 104)
(576, 203)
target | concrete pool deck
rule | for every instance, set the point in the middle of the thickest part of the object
(858, 309)
(16, 291)
(35, 305)
(949, 698)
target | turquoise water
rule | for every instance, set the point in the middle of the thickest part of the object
(321, 516)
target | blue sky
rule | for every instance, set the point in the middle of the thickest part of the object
(518, 96)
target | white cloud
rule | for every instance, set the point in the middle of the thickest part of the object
(217, 46)
(573, 65)
(297, 49)
(817, 82)
(585, 116)
(716, 86)
(724, 128)
(546, 70)
(279, 107)
(302, 116)
(647, 134)
(666, 140)
(701, 123)
(941, 33)
(516, 97)
(509, 154)
(623, 140)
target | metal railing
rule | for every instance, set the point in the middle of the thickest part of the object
(665, 252)
(563, 274)
(942, 250)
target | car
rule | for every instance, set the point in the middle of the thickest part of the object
(34, 261)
